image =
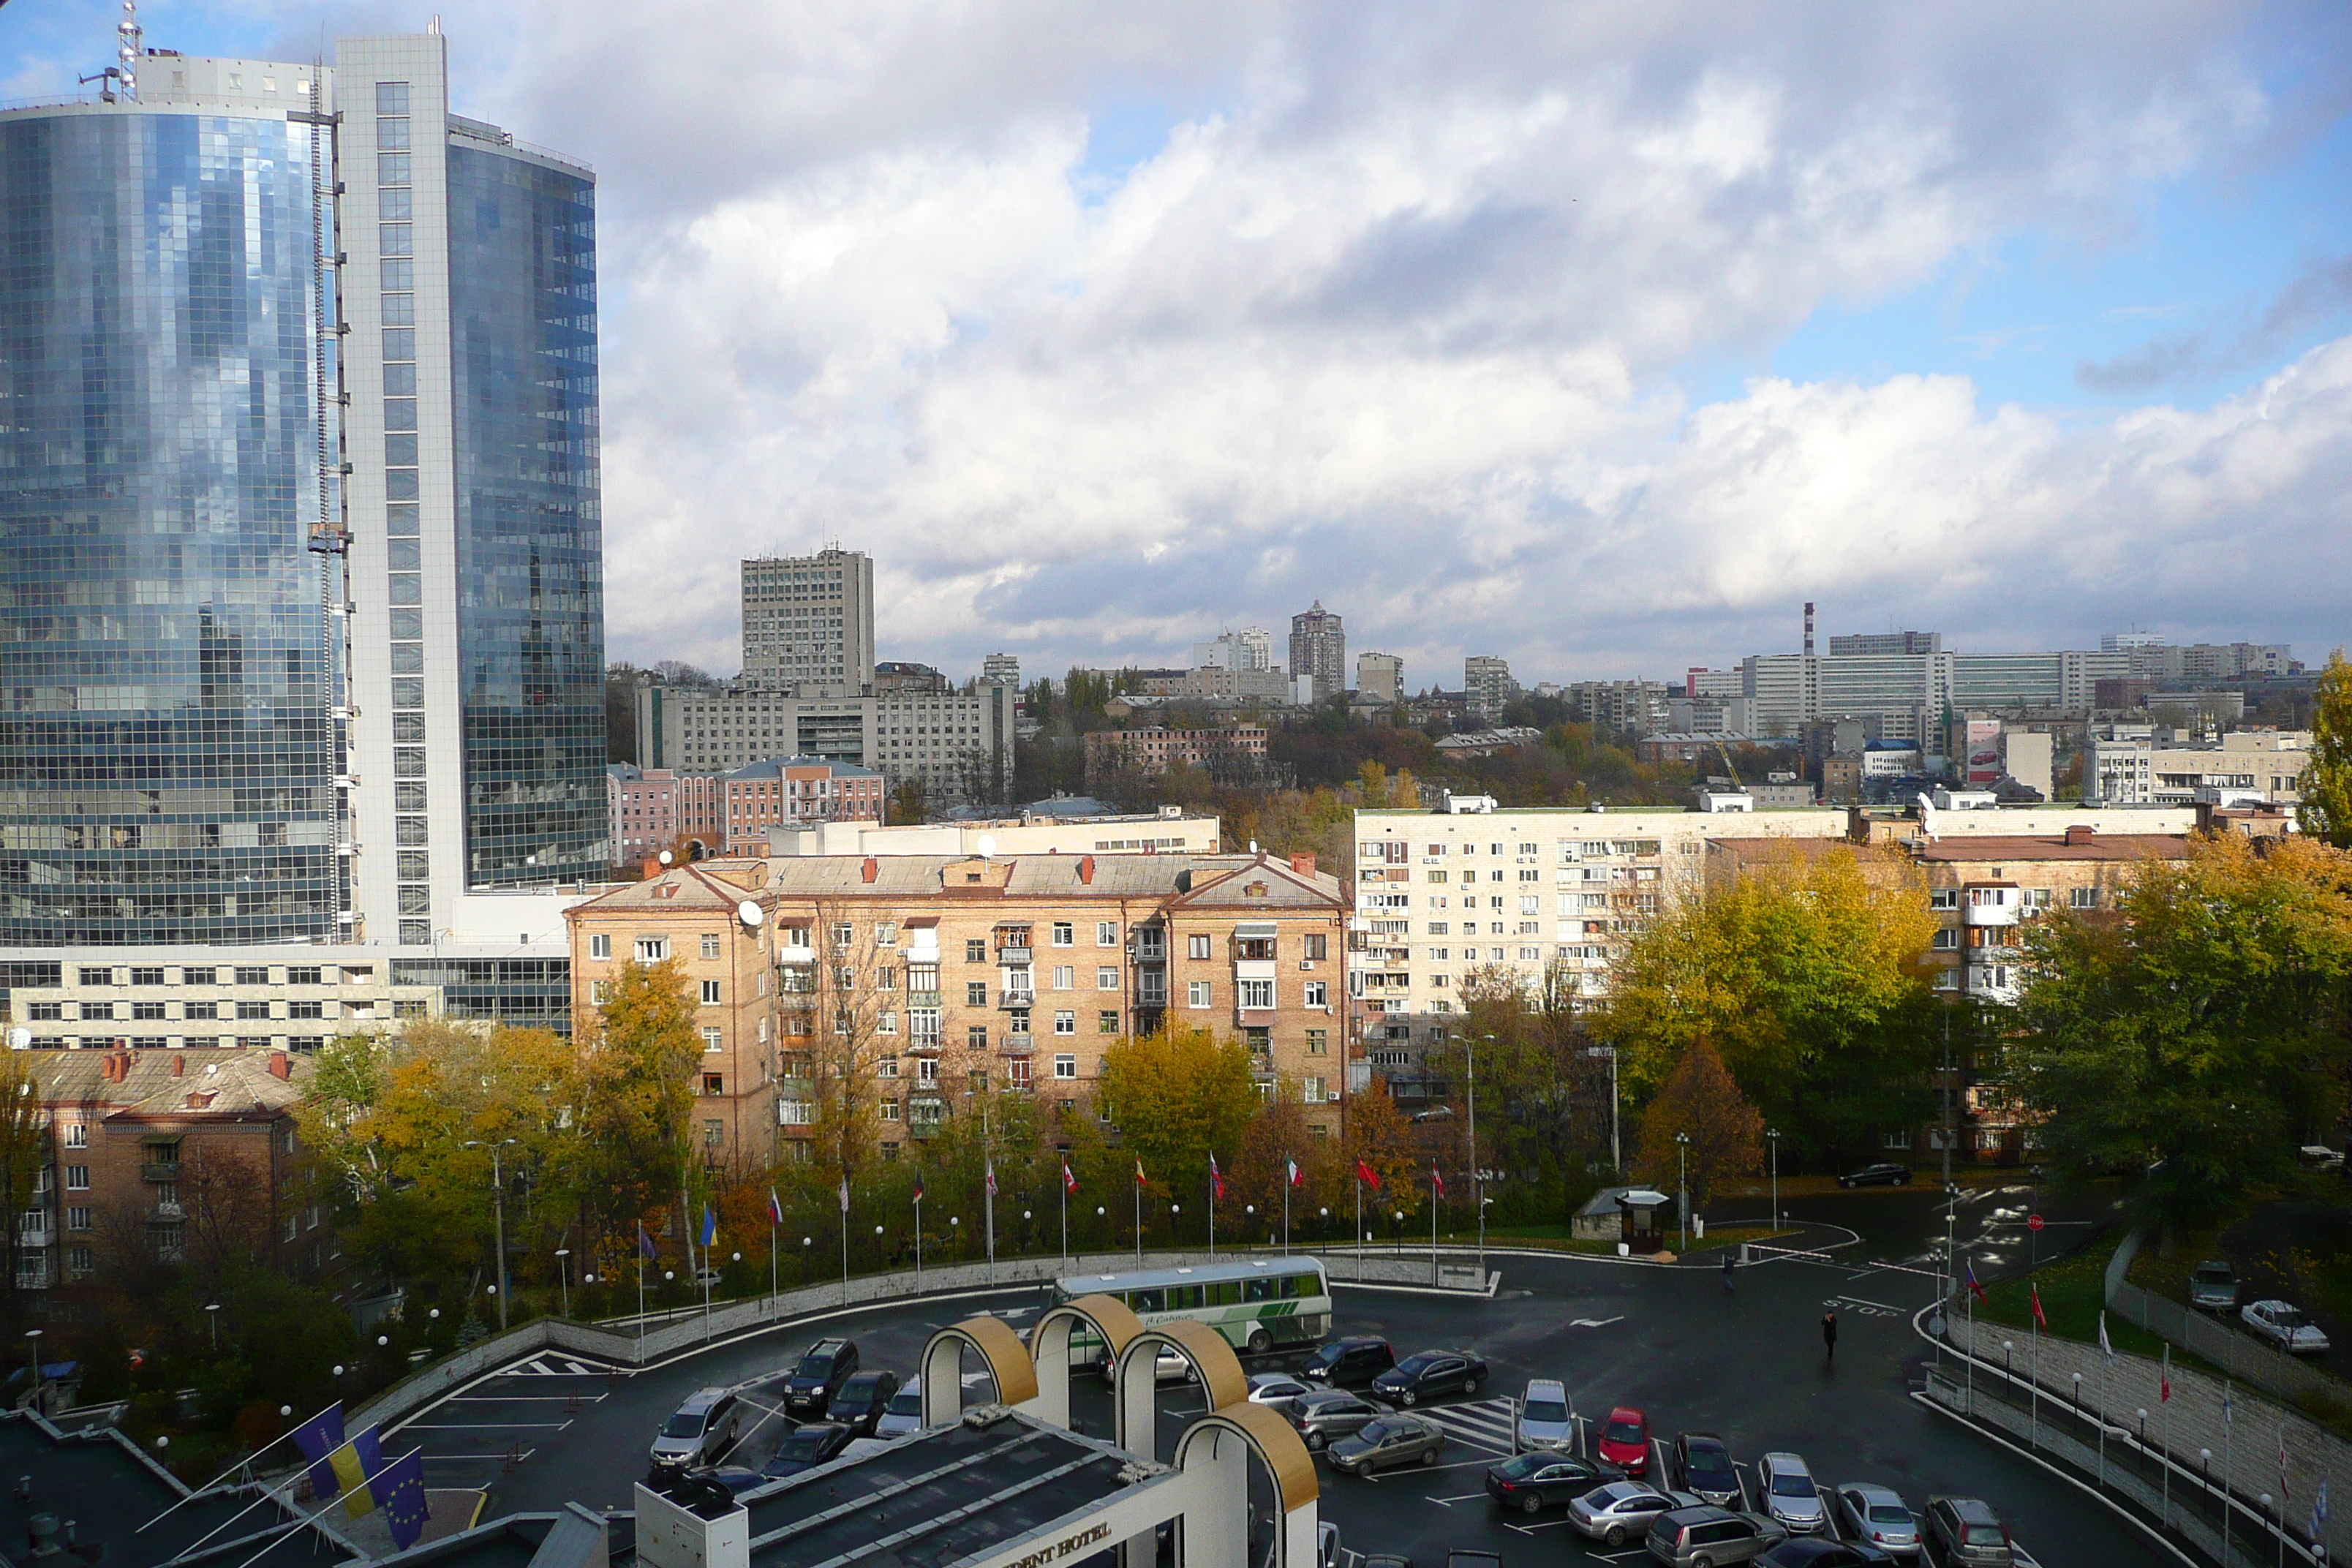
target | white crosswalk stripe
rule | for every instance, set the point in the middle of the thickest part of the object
(557, 1365)
(1482, 1424)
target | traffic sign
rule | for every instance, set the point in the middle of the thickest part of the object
(2033, 1222)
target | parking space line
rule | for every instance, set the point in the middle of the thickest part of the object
(488, 1426)
(1450, 1501)
(526, 1399)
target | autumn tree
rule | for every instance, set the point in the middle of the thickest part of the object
(846, 1024)
(1541, 1110)
(1379, 1136)
(1700, 1102)
(1808, 972)
(2326, 811)
(1176, 1096)
(2193, 1041)
(637, 1098)
(1258, 1169)
(24, 1156)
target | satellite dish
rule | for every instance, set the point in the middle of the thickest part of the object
(20, 1038)
(987, 844)
(748, 911)
(665, 857)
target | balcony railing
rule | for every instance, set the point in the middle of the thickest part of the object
(922, 998)
(1012, 956)
(160, 1171)
(1016, 998)
(1020, 1042)
(167, 1214)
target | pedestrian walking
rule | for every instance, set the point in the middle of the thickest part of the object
(1829, 1334)
(1729, 1260)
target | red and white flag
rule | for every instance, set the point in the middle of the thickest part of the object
(1367, 1175)
(1436, 1180)
(1069, 1181)
(1216, 1178)
(2038, 1318)
(989, 1175)
(1297, 1176)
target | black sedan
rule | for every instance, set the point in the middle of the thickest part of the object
(1877, 1176)
(1703, 1468)
(1429, 1373)
(862, 1401)
(807, 1448)
(1530, 1482)
(1812, 1551)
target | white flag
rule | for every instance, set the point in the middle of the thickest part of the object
(2106, 1349)
(845, 1194)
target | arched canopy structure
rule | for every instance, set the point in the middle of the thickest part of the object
(1136, 1386)
(1049, 1346)
(1218, 1447)
(942, 1367)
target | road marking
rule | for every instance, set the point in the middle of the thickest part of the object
(1485, 1425)
(573, 1367)
(456, 1458)
(528, 1398)
(1594, 1322)
(488, 1426)
(1450, 1501)
(1531, 1529)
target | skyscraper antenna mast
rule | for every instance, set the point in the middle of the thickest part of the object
(126, 69)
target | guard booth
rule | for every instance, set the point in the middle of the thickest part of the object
(1642, 1219)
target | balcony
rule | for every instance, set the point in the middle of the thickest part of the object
(1256, 968)
(1012, 956)
(34, 1275)
(1994, 905)
(159, 1171)
(1021, 1043)
(167, 1214)
(31, 1234)
(1021, 998)
(922, 998)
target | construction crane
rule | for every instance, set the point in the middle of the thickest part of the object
(1725, 752)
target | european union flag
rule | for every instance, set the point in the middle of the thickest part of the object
(399, 1490)
(318, 1438)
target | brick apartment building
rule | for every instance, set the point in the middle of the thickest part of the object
(730, 814)
(1154, 749)
(159, 1153)
(944, 974)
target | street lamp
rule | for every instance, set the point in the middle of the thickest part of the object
(34, 1335)
(563, 1273)
(499, 1210)
(1772, 1141)
(1608, 1055)
(1682, 1152)
(212, 1316)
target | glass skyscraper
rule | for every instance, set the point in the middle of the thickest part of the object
(300, 587)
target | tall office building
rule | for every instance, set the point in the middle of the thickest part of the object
(301, 638)
(808, 622)
(1318, 652)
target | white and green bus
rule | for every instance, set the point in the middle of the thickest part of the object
(1257, 1304)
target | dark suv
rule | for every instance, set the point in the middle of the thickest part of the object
(829, 1363)
(862, 1401)
(1965, 1532)
(1349, 1363)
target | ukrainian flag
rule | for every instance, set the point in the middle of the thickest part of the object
(354, 1464)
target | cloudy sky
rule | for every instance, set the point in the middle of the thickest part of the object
(1597, 336)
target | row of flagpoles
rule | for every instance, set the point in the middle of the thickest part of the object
(350, 1470)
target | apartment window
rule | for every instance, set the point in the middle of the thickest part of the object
(77, 1178)
(82, 1262)
(1106, 933)
(799, 1113)
(247, 974)
(1066, 1067)
(78, 1219)
(600, 945)
(652, 949)
(1065, 934)
(1107, 1021)
(711, 994)
(885, 933)
(1065, 977)
(975, 993)
(1106, 978)
(150, 1011)
(1896, 1141)
(1318, 946)
(1948, 938)
(196, 976)
(1944, 898)
(1197, 947)
(889, 1109)
(1310, 1090)
(106, 976)
(709, 945)
(975, 949)
(253, 1009)
(1318, 1042)
(2082, 898)
(1318, 993)
(598, 991)
(1065, 1022)
(295, 1009)
(77, 1135)
(714, 1134)
(1196, 993)
(714, 1038)
(927, 1072)
(714, 1083)
(844, 933)
(975, 1037)
(147, 977)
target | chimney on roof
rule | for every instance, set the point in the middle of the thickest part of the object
(870, 870)
(653, 868)
(179, 1065)
(2079, 832)
(1303, 864)
(118, 1067)
(1087, 869)
(279, 1066)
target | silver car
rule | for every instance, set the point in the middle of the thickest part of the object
(1547, 1418)
(1710, 1537)
(1786, 1487)
(2284, 1326)
(904, 1413)
(1273, 1387)
(1616, 1514)
(1394, 1439)
(1328, 1415)
(700, 1432)
(1879, 1516)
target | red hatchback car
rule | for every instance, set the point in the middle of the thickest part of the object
(1625, 1440)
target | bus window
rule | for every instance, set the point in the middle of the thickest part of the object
(1144, 1300)
(1225, 1293)
(1256, 1290)
(1183, 1298)
(1290, 1287)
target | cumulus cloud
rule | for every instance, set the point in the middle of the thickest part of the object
(1398, 314)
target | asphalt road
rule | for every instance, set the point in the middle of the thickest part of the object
(1748, 1364)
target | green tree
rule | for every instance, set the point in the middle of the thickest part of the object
(1702, 1103)
(2327, 783)
(24, 1155)
(1176, 1096)
(1808, 972)
(2191, 1043)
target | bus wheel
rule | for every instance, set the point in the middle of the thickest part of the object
(1260, 1341)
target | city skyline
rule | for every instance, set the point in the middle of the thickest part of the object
(1071, 354)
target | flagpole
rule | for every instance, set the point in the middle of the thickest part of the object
(2227, 1431)
(1139, 1218)
(918, 1233)
(1432, 1227)
(242, 1464)
(1065, 1186)
(2164, 1403)
(845, 1238)
(774, 1291)
(1970, 1406)
(1213, 1207)
(641, 1292)
(1360, 1226)
(990, 1205)
(2034, 1375)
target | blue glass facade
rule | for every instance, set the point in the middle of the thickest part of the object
(531, 616)
(166, 770)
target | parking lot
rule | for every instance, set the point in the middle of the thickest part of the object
(1748, 1364)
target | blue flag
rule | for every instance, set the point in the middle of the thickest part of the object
(318, 1438)
(399, 1490)
(645, 1244)
(710, 1227)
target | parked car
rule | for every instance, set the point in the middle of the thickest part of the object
(699, 1431)
(862, 1400)
(1624, 1440)
(806, 1448)
(1328, 1415)
(2320, 1157)
(1350, 1362)
(1615, 1513)
(1391, 1441)
(1273, 1387)
(1878, 1515)
(736, 1478)
(1813, 1551)
(905, 1414)
(1965, 1532)
(2285, 1326)
(1458, 1558)
(1387, 1559)
(1881, 1175)
(1429, 1374)
(1546, 1418)
(1703, 1468)
(823, 1369)
(2213, 1285)
(1709, 1537)
(1168, 1365)
(1787, 1490)
(1538, 1479)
